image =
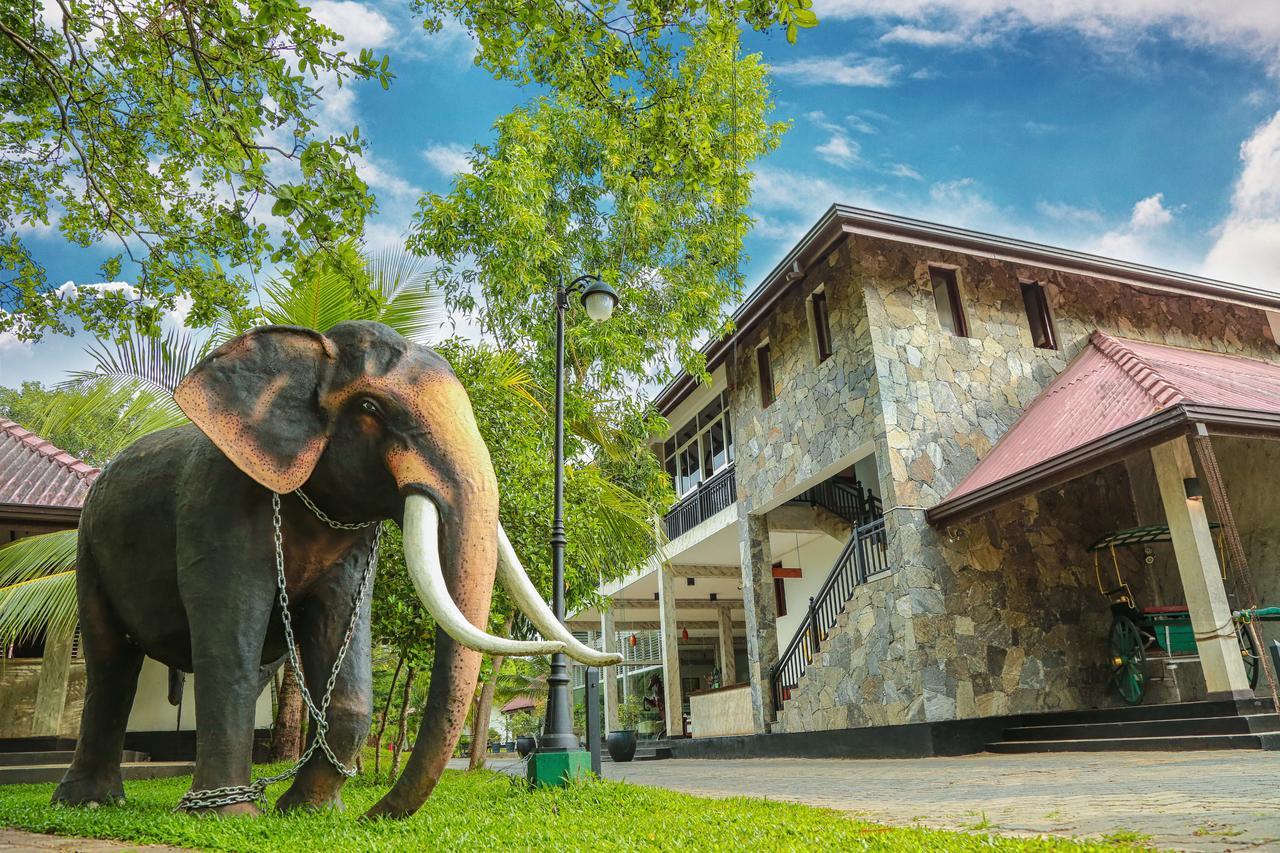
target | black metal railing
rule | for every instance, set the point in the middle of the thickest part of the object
(865, 554)
(712, 496)
(845, 498)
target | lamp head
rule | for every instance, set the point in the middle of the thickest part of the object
(599, 299)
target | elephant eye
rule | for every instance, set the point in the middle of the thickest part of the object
(371, 407)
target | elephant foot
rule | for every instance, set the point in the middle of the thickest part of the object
(90, 792)
(295, 799)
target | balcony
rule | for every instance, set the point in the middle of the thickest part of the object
(712, 496)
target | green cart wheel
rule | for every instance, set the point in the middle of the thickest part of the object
(1128, 659)
(1249, 652)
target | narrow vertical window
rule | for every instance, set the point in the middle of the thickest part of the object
(946, 296)
(821, 325)
(1036, 301)
(766, 375)
(779, 596)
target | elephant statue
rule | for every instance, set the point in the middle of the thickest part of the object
(301, 444)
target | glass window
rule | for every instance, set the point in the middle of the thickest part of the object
(765, 369)
(690, 470)
(821, 325)
(946, 296)
(1036, 302)
(713, 449)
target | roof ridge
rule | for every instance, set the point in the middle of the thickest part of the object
(47, 449)
(1164, 392)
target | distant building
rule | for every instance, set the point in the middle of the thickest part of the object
(922, 430)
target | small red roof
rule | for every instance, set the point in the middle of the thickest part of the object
(520, 703)
(1113, 385)
(34, 472)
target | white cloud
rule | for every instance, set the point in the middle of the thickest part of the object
(846, 70)
(447, 158)
(1040, 128)
(1143, 237)
(1247, 249)
(1150, 213)
(1061, 211)
(360, 24)
(902, 170)
(1248, 26)
(839, 150)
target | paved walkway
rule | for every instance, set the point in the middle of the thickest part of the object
(1221, 800)
(16, 839)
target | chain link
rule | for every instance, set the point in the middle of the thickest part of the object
(256, 791)
(319, 513)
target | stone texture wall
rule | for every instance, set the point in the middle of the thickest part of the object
(1000, 614)
(19, 684)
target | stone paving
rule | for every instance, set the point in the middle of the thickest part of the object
(1219, 800)
(16, 839)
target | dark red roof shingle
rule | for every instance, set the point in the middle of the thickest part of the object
(34, 472)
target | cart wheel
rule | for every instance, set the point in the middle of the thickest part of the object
(1249, 652)
(1128, 659)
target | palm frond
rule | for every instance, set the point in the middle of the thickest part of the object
(511, 375)
(136, 409)
(321, 302)
(37, 586)
(144, 361)
(410, 303)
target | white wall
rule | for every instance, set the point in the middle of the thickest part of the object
(153, 713)
(815, 559)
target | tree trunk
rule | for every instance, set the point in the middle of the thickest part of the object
(288, 730)
(404, 719)
(382, 721)
(480, 725)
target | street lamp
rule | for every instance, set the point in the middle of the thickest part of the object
(599, 300)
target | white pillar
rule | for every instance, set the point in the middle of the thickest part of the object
(51, 694)
(670, 651)
(728, 666)
(609, 674)
(1201, 575)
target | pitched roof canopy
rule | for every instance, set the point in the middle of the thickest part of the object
(33, 472)
(1116, 396)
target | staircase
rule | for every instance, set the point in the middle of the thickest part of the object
(864, 555)
(1251, 724)
(38, 764)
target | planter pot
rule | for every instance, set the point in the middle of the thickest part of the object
(622, 745)
(525, 745)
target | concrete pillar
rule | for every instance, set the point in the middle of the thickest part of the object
(51, 695)
(609, 643)
(1201, 575)
(757, 600)
(670, 630)
(728, 670)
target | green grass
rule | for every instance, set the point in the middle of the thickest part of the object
(486, 810)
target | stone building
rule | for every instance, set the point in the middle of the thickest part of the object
(890, 489)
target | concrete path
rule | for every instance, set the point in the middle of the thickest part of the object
(1221, 800)
(16, 839)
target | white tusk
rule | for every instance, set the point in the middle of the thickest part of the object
(531, 604)
(422, 558)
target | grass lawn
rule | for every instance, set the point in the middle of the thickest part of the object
(487, 811)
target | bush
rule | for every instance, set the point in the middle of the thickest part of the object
(629, 713)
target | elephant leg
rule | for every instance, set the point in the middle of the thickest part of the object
(321, 629)
(112, 664)
(228, 626)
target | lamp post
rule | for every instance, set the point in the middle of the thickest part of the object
(599, 300)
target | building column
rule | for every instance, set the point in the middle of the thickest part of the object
(728, 669)
(51, 695)
(609, 674)
(670, 631)
(757, 600)
(1201, 575)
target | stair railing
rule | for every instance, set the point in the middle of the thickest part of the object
(865, 554)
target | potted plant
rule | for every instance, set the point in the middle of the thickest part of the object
(622, 743)
(524, 726)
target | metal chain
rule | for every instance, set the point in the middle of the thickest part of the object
(319, 513)
(256, 791)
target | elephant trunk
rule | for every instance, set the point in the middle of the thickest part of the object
(467, 534)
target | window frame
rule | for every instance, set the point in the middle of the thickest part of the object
(779, 594)
(820, 324)
(1044, 314)
(951, 278)
(673, 453)
(764, 373)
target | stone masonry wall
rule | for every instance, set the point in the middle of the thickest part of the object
(1000, 614)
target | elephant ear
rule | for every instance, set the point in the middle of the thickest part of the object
(257, 397)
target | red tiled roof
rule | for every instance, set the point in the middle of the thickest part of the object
(520, 703)
(36, 473)
(1112, 385)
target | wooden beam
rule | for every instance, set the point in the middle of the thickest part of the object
(650, 625)
(684, 603)
(780, 572)
(682, 571)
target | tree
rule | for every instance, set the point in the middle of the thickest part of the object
(170, 131)
(634, 166)
(89, 438)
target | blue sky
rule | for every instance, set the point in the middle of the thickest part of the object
(1147, 132)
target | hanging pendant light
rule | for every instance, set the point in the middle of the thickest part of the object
(684, 634)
